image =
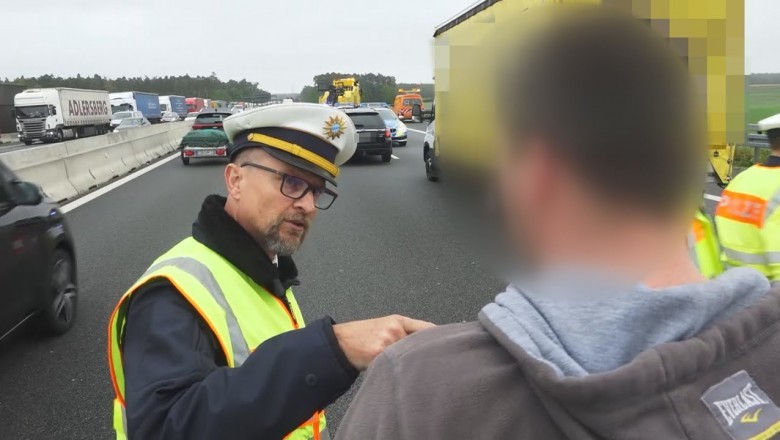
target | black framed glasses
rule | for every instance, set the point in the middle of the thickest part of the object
(296, 188)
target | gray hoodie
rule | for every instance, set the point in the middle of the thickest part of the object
(690, 362)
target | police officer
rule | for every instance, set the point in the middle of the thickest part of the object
(748, 215)
(703, 245)
(210, 342)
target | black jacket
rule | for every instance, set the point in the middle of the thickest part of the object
(177, 384)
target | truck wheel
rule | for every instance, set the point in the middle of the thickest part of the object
(60, 136)
(386, 157)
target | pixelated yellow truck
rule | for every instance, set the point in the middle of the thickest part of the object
(708, 34)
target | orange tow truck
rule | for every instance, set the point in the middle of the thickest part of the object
(405, 102)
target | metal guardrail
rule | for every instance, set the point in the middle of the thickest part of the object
(756, 140)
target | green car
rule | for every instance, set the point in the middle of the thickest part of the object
(204, 143)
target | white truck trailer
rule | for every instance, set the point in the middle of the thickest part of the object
(58, 114)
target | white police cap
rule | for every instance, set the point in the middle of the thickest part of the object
(770, 123)
(312, 137)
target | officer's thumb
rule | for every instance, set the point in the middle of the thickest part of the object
(415, 325)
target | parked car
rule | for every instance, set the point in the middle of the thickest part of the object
(429, 152)
(397, 128)
(191, 116)
(169, 117)
(37, 260)
(118, 117)
(210, 119)
(374, 137)
(207, 143)
(130, 123)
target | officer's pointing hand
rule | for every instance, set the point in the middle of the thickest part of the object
(362, 341)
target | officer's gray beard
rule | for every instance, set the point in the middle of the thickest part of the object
(274, 242)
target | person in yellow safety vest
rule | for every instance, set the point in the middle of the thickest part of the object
(703, 245)
(748, 215)
(210, 342)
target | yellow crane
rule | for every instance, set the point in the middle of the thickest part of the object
(345, 91)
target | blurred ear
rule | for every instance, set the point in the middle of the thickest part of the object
(233, 180)
(540, 175)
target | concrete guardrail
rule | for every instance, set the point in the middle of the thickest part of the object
(69, 169)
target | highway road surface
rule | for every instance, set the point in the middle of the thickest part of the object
(382, 248)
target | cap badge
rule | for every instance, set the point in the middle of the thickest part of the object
(334, 127)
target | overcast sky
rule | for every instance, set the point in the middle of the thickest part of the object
(280, 44)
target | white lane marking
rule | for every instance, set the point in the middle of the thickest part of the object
(713, 198)
(95, 194)
(416, 131)
(395, 157)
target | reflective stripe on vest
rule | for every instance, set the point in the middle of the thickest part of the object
(228, 301)
(203, 274)
(747, 258)
(772, 205)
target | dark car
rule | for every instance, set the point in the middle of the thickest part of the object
(374, 137)
(210, 119)
(37, 259)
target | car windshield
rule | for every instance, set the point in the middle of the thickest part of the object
(211, 118)
(387, 114)
(367, 120)
(122, 115)
(131, 122)
(121, 108)
(33, 111)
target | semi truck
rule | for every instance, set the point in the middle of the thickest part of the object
(708, 35)
(146, 103)
(173, 103)
(195, 105)
(57, 114)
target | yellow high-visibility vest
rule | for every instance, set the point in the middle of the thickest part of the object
(748, 221)
(240, 313)
(703, 245)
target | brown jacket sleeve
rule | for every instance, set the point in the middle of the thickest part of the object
(373, 413)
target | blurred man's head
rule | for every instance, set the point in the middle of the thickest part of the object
(602, 155)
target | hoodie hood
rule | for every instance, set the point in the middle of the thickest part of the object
(607, 324)
(611, 366)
